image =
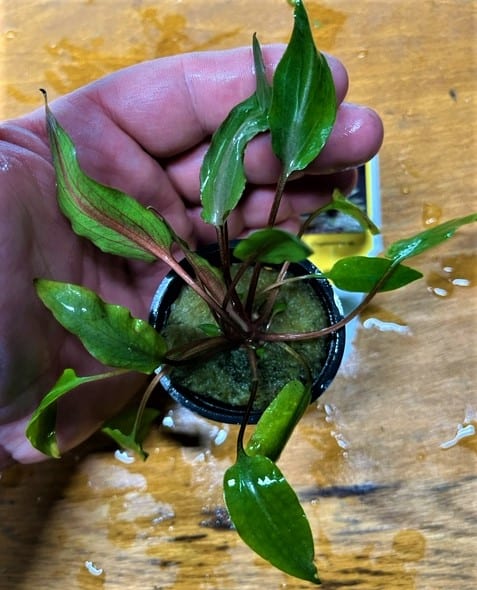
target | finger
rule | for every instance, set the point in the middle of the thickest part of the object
(302, 196)
(170, 104)
(188, 96)
(356, 137)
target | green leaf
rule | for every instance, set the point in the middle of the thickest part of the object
(264, 90)
(341, 203)
(122, 429)
(268, 516)
(429, 238)
(41, 428)
(272, 246)
(210, 329)
(222, 176)
(303, 109)
(361, 273)
(208, 275)
(113, 221)
(108, 332)
(278, 421)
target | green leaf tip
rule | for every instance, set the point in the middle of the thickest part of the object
(41, 428)
(341, 203)
(303, 109)
(360, 274)
(222, 175)
(269, 517)
(429, 238)
(113, 221)
(123, 429)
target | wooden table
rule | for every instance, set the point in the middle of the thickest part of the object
(390, 508)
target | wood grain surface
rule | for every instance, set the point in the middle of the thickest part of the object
(390, 508)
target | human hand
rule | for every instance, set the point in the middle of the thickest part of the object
(143, 130)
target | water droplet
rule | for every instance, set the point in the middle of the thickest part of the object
(439, 285)
(386, 326)
(168, 422)
(431, 214)
(405, 190)
(340, 440)
(462, 432)
(92, 569)
(375, 317)
(11, 34)
(362, 53)
(460, 270)
(331, 412)
(461, 282)
(221, 436)
(452, 271)
(124, 456)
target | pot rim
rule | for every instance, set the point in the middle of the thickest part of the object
(168, 290)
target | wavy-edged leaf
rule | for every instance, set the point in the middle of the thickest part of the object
(272, 246)
(303, 109)
(115, 222)
(222, 175)
(361, 274)
(269, 517)
(107, 331)
(41, 429)
(428, 238)
(278, 421)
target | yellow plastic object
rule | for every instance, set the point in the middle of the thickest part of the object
(338, 235)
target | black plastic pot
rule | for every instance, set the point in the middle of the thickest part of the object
(168, 291)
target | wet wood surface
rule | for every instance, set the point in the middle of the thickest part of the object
(389, 506)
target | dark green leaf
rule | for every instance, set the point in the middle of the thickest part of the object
(122, 429)
(278, 421)
(361, 273)
(222, 176)
(41, 429)
(272, 246)
(108, 332)
(268, 516)
(303, 109)
(429, 238)
(113, 221)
